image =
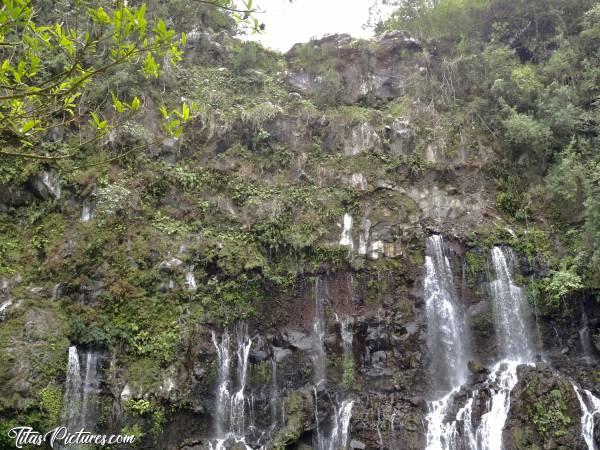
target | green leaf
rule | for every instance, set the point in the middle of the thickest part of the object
(135, 104)
(97, 123)
(150, 66)
(28, 126)
(101, 16)
(118, 104)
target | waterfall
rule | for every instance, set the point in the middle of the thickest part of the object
(438, 432)
(510, 309)
(446, 336)
(72, 401)
(230, 413)
(190, 281)
(319, 437)
(378, 429)
(90, 389)
(338, 437)
(346, 238)
(363, 238)
(347, 336)
(342, 413)
(238, 400)
(504, 377)
(511, 316)
(274, 394)
(318, 337)
(341, 425)
(585, 336)
(88, 211)
(318, 358)
(590, 408)
(223, 365)
(82, 387)
(51, 181)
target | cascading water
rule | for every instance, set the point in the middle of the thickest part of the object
(510, 309)
(88, 207)
(238, 401)
(82, 387)
(190, 280)
(51, 180)
(590, 407)
(346, 238)
(318, 337)
(223, 366)
(502, 379)
(318, 439)
(363, 238)
(347, 337)
(274, 395)
(318, 356)
(341, 425)
(446, 337)
(230, 417)
(91, 389)
(71, 413)
(88, 210)
(511, 317)
(338, 437)
(342, 412)
(585, 337)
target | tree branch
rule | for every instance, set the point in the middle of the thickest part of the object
(228, 8)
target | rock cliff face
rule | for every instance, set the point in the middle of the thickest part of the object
(261, 283)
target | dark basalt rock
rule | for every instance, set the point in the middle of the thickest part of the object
(544, 412)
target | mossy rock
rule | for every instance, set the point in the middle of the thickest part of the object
(299, 407)
(33, 355)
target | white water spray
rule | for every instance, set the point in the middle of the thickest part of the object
(346, 238)
(230, 416)
(590, 407)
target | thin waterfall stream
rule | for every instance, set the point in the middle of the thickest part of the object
(230, 417)
(590, 407)
(342, 411)
(82, 388)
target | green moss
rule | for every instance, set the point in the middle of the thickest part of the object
(483, 324)
(33, 352)
(376, 288)
(530, 242)
(417, 257)
(348, 372)
(296, 404)
(417, 165)
(355, 115)
(400, 107)
(144, 374)
(261, 373)
(476, 263)
(50, 403)
(549, 414)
